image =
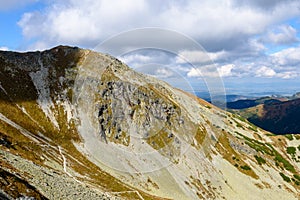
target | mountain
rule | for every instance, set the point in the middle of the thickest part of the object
(77, 124)
(251, 102)
(279, 116)
(220, 98)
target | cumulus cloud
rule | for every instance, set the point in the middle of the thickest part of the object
(284, 34)
(209, 70)
(142, 57)
(199, 56)
(160, 71)
(288, 57)
(164, 73)
(194, 72)
(265, 72)
(226, 70)
(218, 26)
(83, 22)
(223, 71)
(234, 34)
(136, 58)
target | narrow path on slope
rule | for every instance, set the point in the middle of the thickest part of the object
(129, 191)
(70, 175)
(65, 165)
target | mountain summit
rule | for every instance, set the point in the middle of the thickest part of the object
(77, 124)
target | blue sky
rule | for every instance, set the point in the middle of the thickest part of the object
(254, 44)
(10, 13)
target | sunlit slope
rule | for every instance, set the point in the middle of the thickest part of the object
(90, 126)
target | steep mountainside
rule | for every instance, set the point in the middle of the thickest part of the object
(76, 124)
(279, 117)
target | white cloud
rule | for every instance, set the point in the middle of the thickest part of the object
(215, 19)
(199, 56)
(204, 71)
(256, 46)
(82, 22)
(164, 73)
(194, 73)
(284, 34)
(226, 70)
(288, 75)
(234, 33)
(148, 58)
(135, 58)
(217, 24)
(288, 57)
(265, 72)
(4, 48)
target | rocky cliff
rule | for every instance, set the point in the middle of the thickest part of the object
(79, 124)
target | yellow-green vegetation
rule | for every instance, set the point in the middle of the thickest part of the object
(200, 135)
(270, 134)
(284, 177)
(207, 106)
(296, 179)
(160, 139)
(268, 149)
(260, 160)
(289, 136)
(228, 153)
(257, 136)
(239, 125)
(245, 167)
(206, 193)
(291, 150)
(284, 162)
(258, 146)
(20, 144)
(252, 127)
(239, 117)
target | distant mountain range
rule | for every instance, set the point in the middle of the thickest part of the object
(221, 98)
(277, 114)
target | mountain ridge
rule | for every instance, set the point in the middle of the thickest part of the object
(277, 115)
(120, 134)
